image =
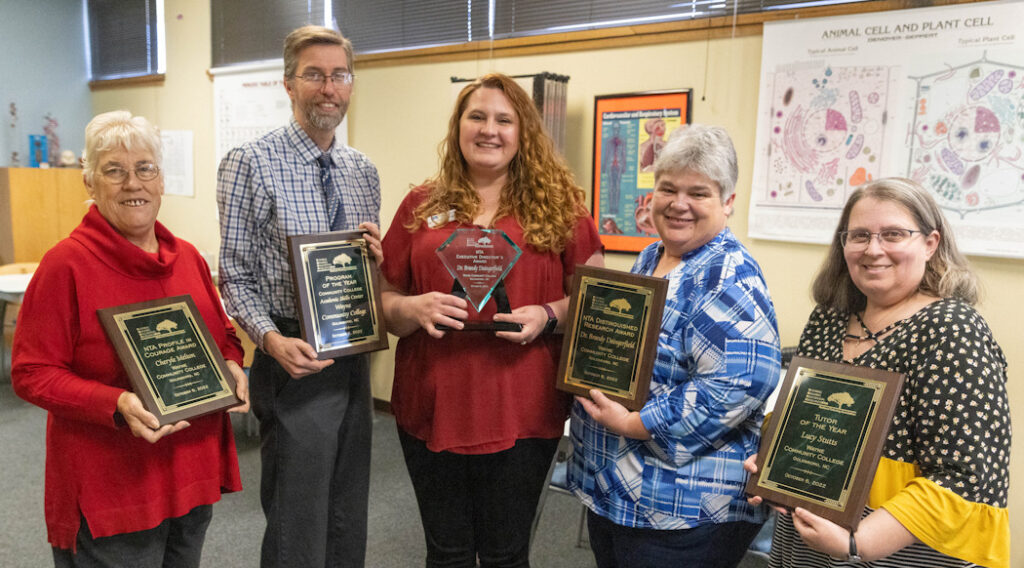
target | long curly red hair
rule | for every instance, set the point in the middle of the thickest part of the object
(541, 191)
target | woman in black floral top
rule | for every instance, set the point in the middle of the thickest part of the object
(895, 293)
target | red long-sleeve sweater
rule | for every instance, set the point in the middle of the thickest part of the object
(64, 363)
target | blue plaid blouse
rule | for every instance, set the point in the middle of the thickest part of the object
(270, 188)
(717, 361)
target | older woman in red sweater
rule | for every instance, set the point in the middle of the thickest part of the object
(120, 489)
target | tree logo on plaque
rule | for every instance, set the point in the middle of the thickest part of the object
(611, 334)
(170, 357)
(478, 261)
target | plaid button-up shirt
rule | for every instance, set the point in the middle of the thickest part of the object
(268, 189)
(718, 359)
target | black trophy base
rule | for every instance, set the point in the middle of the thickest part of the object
(484, 326)
(500, 298)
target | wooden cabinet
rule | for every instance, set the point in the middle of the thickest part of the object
(38, 208)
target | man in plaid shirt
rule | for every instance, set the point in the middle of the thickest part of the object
(314, 415)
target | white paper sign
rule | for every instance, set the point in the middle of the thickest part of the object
(178, 167)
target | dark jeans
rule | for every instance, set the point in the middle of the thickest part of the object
(315, 435)
(174, 543)
(708, 546)
(478, 506)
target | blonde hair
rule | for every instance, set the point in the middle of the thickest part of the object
(541, 192)
(947, 273)
(116, 130)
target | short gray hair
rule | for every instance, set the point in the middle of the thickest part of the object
(306, 36)
(703, 149)
(117, 130)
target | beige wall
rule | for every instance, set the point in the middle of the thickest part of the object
(399, 114)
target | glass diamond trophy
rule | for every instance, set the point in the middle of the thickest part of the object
(479, 259)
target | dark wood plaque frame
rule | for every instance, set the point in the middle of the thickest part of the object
(871, 439)
(646, 348)
(303, 304)
(140, 379)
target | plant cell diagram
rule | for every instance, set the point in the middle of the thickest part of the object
(966, 138)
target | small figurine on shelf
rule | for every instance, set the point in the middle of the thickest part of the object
(12, 137)
(68, 159)
(52, 140)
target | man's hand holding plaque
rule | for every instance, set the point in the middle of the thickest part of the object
(478, 260)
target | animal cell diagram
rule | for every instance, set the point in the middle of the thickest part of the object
(827, 130)
(967, 136)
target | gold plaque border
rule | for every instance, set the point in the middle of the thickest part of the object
(303, 295)
(654, 291)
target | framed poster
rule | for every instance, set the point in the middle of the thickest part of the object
(629, 132)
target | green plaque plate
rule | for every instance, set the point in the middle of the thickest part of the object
(336, 291)
(825, 438)
(611, 335)
(171, 358)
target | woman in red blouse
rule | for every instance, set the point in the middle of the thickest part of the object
(477, 411)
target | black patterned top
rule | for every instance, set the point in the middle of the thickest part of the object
(952, 420)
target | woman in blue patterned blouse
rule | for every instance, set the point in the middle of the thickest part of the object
(664, 485)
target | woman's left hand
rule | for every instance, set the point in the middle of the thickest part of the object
(614, 416)
(533, 319)
(143, 423)
(821, 534)
(241, 387)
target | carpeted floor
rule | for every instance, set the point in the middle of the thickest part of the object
(395, 539)
(233, 540)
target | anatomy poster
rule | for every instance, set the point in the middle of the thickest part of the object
(629, 133)
(933, 94)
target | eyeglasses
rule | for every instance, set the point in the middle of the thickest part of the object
(318, 78)
(145, 172)
(887, 238)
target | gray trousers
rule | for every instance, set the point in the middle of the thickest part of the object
(315, 445)
(174, 543)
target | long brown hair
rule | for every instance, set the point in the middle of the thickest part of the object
(947, 274)
(541, 192)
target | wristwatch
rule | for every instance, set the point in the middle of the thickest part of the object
(854, 557)
(552, 320)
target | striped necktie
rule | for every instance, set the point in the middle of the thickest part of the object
(335, 211)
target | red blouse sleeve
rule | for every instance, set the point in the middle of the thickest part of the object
(585, 242)
(397, 244)
(44, 345)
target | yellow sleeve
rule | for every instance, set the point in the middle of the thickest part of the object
(941, 519)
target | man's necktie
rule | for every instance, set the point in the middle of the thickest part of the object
(332, 198)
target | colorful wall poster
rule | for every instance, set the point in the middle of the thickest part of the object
(629, 132)
(931, 94)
